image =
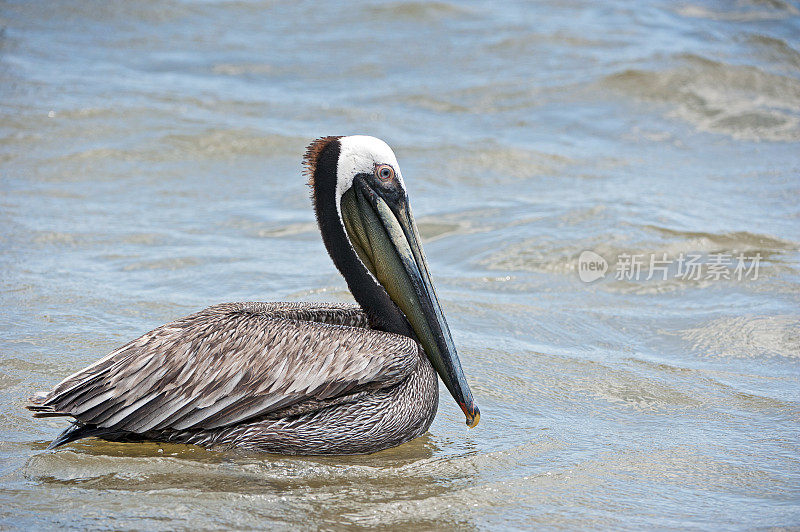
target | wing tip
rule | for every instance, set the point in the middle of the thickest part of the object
(78, 431)
(37, 405)
(72, 433)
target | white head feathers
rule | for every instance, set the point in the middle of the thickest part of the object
(358, 155)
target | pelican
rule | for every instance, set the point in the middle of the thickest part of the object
(293, 378)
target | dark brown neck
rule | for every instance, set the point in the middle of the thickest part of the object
(381, 311)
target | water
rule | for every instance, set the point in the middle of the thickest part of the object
(150, 161)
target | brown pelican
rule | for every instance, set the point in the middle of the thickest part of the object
(293, 378)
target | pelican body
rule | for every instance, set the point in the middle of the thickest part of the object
(293, 378)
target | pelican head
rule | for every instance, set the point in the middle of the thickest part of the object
(365, 219)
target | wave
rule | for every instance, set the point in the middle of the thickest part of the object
(744, 102)
(747, 337)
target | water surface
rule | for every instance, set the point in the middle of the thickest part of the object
(150, 166)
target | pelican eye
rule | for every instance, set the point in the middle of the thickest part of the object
(384, 172)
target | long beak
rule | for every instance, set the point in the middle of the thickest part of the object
(385, 237)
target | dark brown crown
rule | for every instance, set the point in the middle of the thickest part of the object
(312, 154)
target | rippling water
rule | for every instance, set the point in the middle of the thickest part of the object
(150, 166)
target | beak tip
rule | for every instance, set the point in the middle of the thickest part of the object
(474, 417)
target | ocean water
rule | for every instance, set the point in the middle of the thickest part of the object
(150, 166)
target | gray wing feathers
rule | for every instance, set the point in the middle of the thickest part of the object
(230, 363)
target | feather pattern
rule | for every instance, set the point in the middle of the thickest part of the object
(232, 364)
